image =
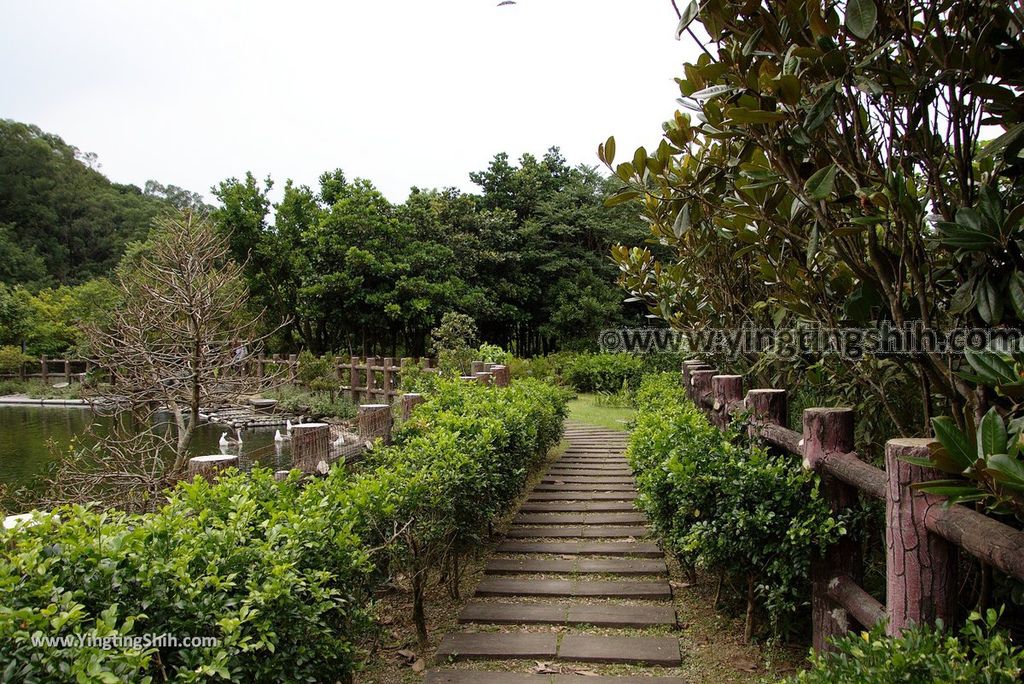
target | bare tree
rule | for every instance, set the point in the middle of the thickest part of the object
(179, 341)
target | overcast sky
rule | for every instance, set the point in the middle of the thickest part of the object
(407, 92)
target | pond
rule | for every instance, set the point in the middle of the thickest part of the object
(33, 437)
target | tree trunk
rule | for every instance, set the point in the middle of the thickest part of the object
(748, 627)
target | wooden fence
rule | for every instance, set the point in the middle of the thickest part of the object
(922, 535)
(52, 370)
(313, 451)
(364, 380)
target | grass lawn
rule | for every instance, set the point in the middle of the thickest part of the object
(585, 409)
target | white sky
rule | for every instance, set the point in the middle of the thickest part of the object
(407, 92)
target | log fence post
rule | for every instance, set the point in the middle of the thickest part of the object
(766, 406)
(293, 367)
(691, 365)
(371, 379)
(375, 421)
(311, 447)
(409, 401)
(727, 393)
(209, 467)
(43, 368)
(700, 384)
(388, 380)
(353, 379)
(920, 566)
(830, 431)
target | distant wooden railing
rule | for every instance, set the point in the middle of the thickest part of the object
(364, 380)
(921, 532)
(312, 449)
(47, 369)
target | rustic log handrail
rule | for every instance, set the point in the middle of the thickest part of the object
(919, 568)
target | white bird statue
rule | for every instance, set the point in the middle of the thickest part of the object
(340, 441)
(226, 441)
(288, 427)
(278, 437)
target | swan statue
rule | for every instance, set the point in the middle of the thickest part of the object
(226, 441)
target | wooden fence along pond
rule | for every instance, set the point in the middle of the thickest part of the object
(315, 446)
(922, 535)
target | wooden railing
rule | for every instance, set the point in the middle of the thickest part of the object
(922, 532)
(361, 379)
(312, 449)
(47, 369)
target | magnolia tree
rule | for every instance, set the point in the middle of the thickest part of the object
(846, 163)
(177, 342)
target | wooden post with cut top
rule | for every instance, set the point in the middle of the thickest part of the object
(920, 566)
(829, 431)
(727, 394)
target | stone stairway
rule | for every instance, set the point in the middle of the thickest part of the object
(575, 585)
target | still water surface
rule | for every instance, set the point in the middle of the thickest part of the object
(33, 437)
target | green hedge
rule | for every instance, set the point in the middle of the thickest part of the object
(921, 655)
(727, 506)
(281, 574)
(606, 373)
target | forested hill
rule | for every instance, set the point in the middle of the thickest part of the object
(61, 221)
(337, 267)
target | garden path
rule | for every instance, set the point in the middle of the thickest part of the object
(575, 584)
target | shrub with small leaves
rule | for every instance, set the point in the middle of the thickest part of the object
(921, 655)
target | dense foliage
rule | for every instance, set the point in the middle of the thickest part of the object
(61, 221)
(605, 373)
(281, 574)
(728, 507)
(921, 655)
(353, 272)
(832, 170)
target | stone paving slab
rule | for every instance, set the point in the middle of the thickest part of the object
(615, 616)
(586, 479)
(583, 495)
(490, 677)
(531, 506)
(583, 487)
(606, 649)
(500, 586)
(576, 647)
(579, 532)
(498, 646)
(604, 566)
(590, 470)
(638, 549)
(613, 518)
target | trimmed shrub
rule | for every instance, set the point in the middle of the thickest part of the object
(921, 655)
(280, 574)
(727, 506)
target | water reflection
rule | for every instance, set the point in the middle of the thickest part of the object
(33, 437)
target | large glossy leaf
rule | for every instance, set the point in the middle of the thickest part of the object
(959, 447)
(992, 434)
(991, 367)
(686, 17)
(712, 91)
(819, 186)
(990, 304)
(1009, 471)
(861, 17)
(1016, 288)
